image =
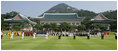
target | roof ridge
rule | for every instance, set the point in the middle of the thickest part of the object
(100, 14)
(103, 16)
(60, 13)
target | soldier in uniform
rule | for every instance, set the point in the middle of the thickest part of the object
(34, 35)
(74, 37)
(23, 35)
(59, 36)
(12, 34)
(88, 35)
(47, 35)
(102, 35)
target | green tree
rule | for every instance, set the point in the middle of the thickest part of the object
(47, 27)
(81, 27)
(103, 28)
(38, 27)
(16, 27)
(112, 14)
(6, 25)
(72, 27)
(64, 26)
(113, 26)
(87, 14)
(53, 26)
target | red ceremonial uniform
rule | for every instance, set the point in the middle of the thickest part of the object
(108, 33)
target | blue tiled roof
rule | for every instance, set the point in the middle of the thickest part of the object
(61, 16)
(21, 20)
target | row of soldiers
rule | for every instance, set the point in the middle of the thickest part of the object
(20, 34)
(59, 35)
(88, 36)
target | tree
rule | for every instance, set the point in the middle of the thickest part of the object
(113, 26)
(97, 26)
(71, 27)
(81, 27)
(112, 14)
(46, 26)
(103, 28)
(64, 26)
(16, 27)
(53, 26)
(87, 14)
(5, 25)
(38, 27)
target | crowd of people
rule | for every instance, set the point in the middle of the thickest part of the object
(59, 34)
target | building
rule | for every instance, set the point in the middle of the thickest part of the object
(70, 18)
(101, 19)
(21, 18)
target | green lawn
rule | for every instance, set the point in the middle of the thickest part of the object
(53, 43)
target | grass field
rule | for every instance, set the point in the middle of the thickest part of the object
(53, 43)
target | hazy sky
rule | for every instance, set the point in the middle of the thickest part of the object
(36, 8)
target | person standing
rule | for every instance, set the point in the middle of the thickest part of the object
(74, 37)
(17, 34)
(67, 34)
(102, 35)
(88, 35)
(23, 35)
(12, 34)
(34, 35)
(59, 37)
(47, 35)
(63, 33)
(108, 33)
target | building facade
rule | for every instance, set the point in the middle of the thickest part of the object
(70, 18)
(101, 19)
(21, 18)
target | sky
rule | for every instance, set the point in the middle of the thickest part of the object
(36, 8)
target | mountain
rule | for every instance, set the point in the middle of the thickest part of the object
(62, 8)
